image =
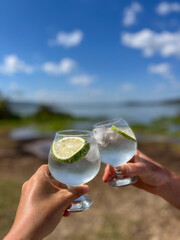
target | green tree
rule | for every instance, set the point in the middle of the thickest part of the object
(5, 112)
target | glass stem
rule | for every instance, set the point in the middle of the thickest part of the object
(118, 172)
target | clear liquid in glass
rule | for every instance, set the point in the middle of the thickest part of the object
(116, 150)
(77, 173)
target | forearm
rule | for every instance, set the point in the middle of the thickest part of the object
(171, 190)
(16, 235)
(22, 230)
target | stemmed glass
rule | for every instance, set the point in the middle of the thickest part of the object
(81, 168)
(117, 146)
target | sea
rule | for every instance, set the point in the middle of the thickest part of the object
(133, 113)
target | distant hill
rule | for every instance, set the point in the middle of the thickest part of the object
(29, 108)
(151, 103)
(25, 109)
(172, 101)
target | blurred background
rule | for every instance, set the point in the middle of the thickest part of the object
(70, 64)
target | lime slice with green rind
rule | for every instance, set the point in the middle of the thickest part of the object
(115, 129)
(69, 150)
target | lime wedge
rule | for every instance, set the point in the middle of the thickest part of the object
(115, 129)
(70, 149)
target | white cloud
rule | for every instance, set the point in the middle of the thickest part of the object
(12, 64)
(165, 8)
(127, 87)
(65, 66)
(67, 39)
(130, 13)
(83, 80)
(165, 44)
(164, 70)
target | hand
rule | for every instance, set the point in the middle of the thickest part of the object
(151, 174)
(153, 177)
(42, 204)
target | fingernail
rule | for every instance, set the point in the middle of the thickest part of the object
(85, 189)
(70, 205)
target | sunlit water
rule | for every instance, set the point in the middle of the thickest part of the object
(142, 114)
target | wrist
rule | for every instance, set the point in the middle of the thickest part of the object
(19, 234)
(13, 235)
(171, 189)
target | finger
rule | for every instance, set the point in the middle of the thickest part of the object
(66, 213)
(106, 174)
(109, 173)
(42, 173)
(133, 169)
(70, 205)
(51, 179)
(56, 183)
(73, 193)
(43, 169)
(133, 159)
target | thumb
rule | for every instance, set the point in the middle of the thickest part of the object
(133, 169)
(75, 192)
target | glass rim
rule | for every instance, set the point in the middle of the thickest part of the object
(74, 132)
(107, 122)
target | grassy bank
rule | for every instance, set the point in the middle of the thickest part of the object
(44, 119)
(169, 126)
(164, 126)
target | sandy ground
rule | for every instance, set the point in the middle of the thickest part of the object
(117, 213)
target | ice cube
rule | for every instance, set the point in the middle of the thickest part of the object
(106, 137)
(100, 136)
(93, 154)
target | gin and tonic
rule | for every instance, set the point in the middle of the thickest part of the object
(74, 160)
(117, 146)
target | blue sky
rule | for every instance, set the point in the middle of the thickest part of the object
(89, 51)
